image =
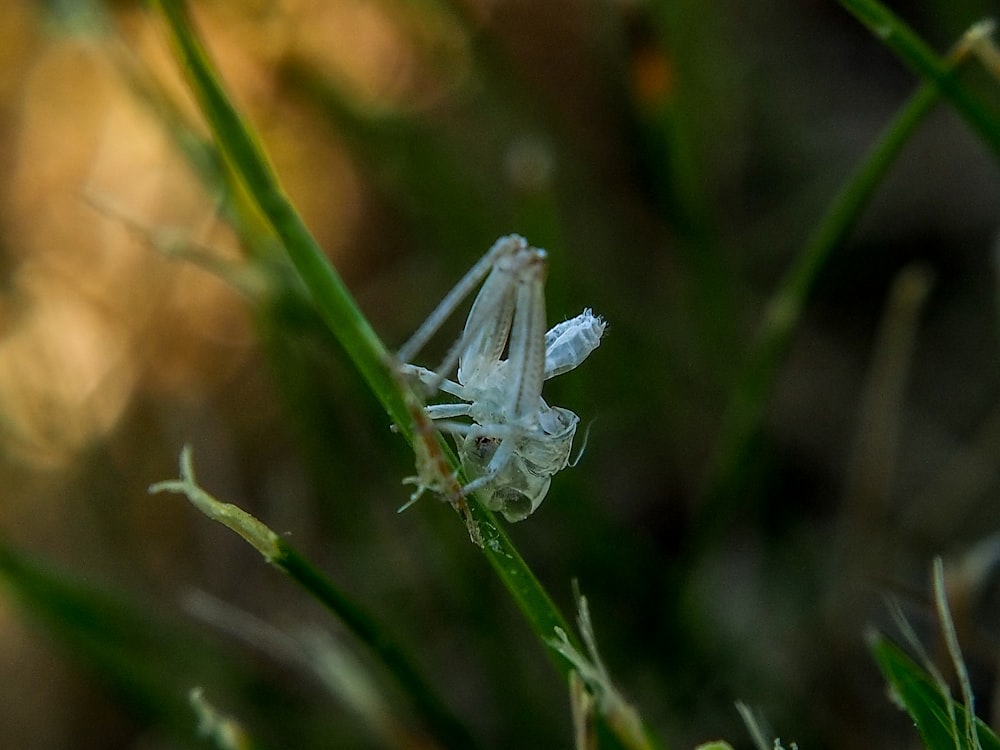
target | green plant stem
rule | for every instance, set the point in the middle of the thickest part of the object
(282, 555)
(337, 307)
(244, 155)
(241, 151)
(931, 67)
(520, 582)
(221, 730)
(446, 727)
(783, 313)
(144, 660)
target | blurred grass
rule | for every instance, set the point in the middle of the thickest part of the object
(672, 157)
(940, 724)
(786, 305)
(445, 726)
(338, 309)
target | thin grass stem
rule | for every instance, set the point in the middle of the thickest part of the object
(931, 67)
(243, 154)
(783, 313)
(282, 555)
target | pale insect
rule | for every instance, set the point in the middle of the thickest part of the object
(516, 442)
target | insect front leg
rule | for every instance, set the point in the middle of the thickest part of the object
(434, 471)
(433, 379)
(447, 411)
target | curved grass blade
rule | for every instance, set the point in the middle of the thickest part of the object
(335, 304)
(244, 155)
(918, 55)
(783, 313)
(941, 721)
(246, 158)
(282, 555)
(146, 662)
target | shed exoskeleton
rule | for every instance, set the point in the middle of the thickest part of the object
(514, 442)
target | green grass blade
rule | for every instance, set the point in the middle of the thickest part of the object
(244, 155)
(752, 390)
(145, 662)
(335, 304)
(440, 719)
(918, 55)
(940, 720)
(241, 150)
(282, 555)
(225, 732)
(783, 313)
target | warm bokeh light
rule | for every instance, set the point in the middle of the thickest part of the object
(92, 311)
(673, 159)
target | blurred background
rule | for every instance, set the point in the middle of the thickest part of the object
(673, 157)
